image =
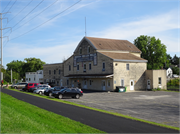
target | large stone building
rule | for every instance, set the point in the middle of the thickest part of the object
(102, 64)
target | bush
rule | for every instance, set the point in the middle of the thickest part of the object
(174, 82)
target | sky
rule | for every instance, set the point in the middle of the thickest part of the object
(51, 29)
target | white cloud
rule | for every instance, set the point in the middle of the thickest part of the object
(148, 25)
(51, 54)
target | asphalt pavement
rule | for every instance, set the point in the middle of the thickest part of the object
(102, 121)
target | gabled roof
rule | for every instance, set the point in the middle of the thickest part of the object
(128, 57)
(110, 44)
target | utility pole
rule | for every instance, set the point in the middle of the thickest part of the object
(1, 29)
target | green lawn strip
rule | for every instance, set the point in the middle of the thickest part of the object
(104, 111)
(21, 117)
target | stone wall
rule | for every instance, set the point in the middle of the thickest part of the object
(136, 73)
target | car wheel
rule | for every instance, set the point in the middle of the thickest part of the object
(50, 94)
(77, 96)
(15, 87)
(60, 96)
(40, 93)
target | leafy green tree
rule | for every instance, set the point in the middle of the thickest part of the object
(168, 61)
(175, 70)
(152, 50)
(175, 60)
(28, 65)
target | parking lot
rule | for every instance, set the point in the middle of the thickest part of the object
(161, 107)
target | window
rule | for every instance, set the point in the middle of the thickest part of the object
(103, 68)
(34, 79)
(84, 67)
(122, 82)
(159, 80)
(89, 66)
(108, 83)
(54, 71)
(88, 49)
(127, 66)
(90, 82)
(29, 79)
(67, 82)
(77, 67)
(59, 71)
(69, 67)
(80, 50)
(49, 71)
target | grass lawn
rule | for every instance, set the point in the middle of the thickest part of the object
(21, 117)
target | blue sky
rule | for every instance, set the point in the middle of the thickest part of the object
(36, 34)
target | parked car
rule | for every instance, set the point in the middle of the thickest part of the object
(40, 90)
(30, 85)
(19, 85)
(49, 91)
(68, 92)
(39, 86)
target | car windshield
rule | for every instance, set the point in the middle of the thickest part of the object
(63, 89)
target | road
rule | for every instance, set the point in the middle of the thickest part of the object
(102, 121)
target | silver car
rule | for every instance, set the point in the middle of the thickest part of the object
(19, 85)
(40, 90)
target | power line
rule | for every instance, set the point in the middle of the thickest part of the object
(28, 13)
(47, 20)
(21, 10)
(37, 14)
(6, 6)
(11, 7)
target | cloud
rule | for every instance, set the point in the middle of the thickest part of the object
(51, 54)
(148, 25)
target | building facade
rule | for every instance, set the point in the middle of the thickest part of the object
(102, 64)
(53, 74)
(34, 77)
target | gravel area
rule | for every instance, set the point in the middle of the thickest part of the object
(160, 106)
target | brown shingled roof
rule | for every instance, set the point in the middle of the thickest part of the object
(122, 56)
(113, 44)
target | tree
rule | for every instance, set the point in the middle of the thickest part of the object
(28, 65)
(175, 60)
(152, 50)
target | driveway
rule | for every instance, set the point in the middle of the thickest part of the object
(160, 106)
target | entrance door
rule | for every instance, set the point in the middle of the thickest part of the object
(103, 85)
(131, 85)
(148, 84)
(85, 84)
